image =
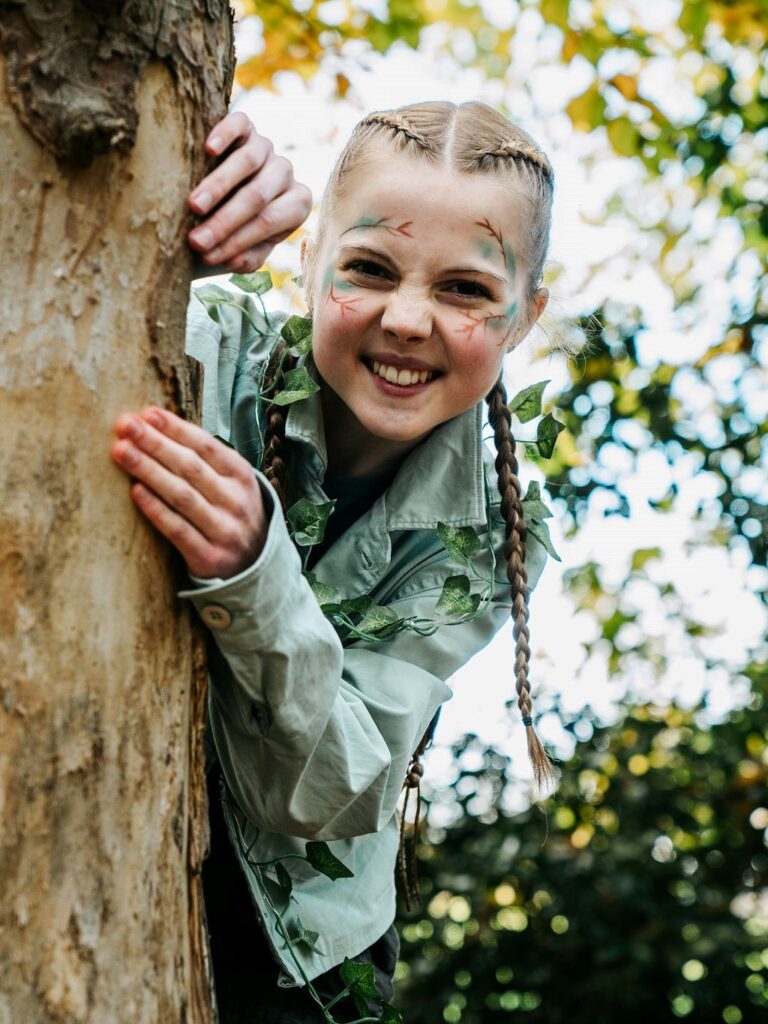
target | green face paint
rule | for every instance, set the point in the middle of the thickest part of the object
(328, 278)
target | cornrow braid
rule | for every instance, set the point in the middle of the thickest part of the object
(545, 773)
(398, 123)
(273, 459)
(515, 149)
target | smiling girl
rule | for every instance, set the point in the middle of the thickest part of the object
(333, 646)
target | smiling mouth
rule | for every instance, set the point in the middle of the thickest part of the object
(401, 377)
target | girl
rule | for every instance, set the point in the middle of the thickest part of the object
(366, 559)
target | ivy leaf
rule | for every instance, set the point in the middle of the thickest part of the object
(455, 600)
(355, 605)
(379, 619)
(389, 1015)
(258, 283)
(212, 294)
(297, 333)
(461, 542)
(360, 978)
(526, 404)
(541, 532)
(534, 508)
(297, 384)
(324, 593)
(309, 939)
(284, 880)
(307, 521)
(546, 435)
(322, 860)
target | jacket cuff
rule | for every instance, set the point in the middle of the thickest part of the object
(242, 611)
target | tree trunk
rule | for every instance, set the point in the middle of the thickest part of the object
(103, 110)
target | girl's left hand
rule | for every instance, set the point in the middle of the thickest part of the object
(256, 198)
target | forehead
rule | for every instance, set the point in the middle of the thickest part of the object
(434, 195)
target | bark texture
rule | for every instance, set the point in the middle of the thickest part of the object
(103, 110)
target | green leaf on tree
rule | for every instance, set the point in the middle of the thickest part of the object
(324, 592)
(642, 556)
(297, 384)
(322, 860)
(284, 880)
(297, 333)
(306, 521)
(455, 600)
(526, 404)
(461, 542)
(546, 435)
(361, 978)
(259, 282)
(379, 619)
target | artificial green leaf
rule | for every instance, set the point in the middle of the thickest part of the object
(297, 384)
(322, 860)
(461, 542)
(455, 600)
(526, 404)
(309, 939)
(212, 294)
(379, 619)
(389, 1015)
(361, 978)
(306, 521)
(284, 880)
(297, 333)
(324, 592)
(546, 435)
(540, 531)
(299, 280)
(534, 509)
(259, 282)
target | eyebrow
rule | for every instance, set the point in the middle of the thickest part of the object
(378, 254)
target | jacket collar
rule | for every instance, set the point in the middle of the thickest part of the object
(441, 480)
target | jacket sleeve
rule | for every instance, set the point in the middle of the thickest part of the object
(315, 739)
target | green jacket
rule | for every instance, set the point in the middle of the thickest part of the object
(314, 733)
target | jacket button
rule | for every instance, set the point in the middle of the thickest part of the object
(216, 617)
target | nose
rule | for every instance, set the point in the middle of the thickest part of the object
(407, 316)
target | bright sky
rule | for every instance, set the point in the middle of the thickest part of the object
(716, 587)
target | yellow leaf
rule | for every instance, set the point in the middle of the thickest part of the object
(342, 85)
(571, 46)
(626, 84)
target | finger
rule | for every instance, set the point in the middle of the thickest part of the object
(277, 220)
(195, 549)
(238, 166)
(173, 491)
(245, 204)
(226, 131)
(221, 459)
(252, 259)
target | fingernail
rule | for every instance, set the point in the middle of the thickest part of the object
(215, 144)
(214, 255)
(203, 237)
(127, 455)
(203, 201)
(153, 418)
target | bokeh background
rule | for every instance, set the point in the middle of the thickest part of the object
(639, 890)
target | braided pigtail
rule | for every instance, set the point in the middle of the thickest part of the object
(273, 460)
(545, 773)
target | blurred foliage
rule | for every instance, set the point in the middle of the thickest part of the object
(637, 899)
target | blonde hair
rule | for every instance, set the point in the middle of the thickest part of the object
(474, 139)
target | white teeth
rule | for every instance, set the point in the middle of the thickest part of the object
(403, 378)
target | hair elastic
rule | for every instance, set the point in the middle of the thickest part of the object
(527, 720)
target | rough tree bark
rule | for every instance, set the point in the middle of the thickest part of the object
(103, 110)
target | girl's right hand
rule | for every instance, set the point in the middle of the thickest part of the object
(201, 495)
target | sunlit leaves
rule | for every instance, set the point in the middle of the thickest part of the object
(257, 283)
(526, 404)
(461, 542)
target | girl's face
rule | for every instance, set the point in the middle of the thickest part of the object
(418, 291)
